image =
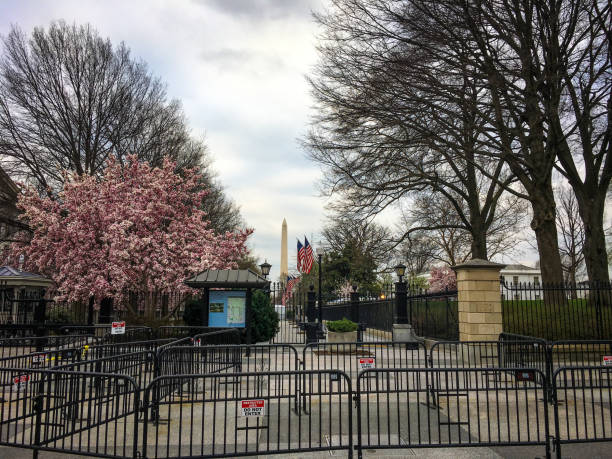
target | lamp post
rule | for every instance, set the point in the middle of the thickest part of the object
(265, 270)
(320, 253)
(400, 295)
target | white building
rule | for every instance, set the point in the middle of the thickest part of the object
(514, 277)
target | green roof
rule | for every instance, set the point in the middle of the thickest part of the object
(227, 278)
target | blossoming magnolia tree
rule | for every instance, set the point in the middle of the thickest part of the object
(443, 278)
(135, 228)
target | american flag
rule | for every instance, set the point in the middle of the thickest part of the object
(292, 281)
(308, 257)
(300, 256)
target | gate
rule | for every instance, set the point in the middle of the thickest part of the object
(584, 411)
(70, 412)
(420, 408)
(228, 415)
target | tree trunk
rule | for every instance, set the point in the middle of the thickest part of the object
(545, 228)
(591, 210)
(479, 238)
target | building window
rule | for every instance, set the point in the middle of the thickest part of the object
(515, 280)
(503, 279)
(536, 280)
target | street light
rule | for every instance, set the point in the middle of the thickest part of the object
(320, 252)
(265, 268)
(400, 270)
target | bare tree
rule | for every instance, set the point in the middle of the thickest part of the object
(528, 65)
(581, 127)
(366, 238)
(571, 230)
(392, 123)
(69, 100)
(546, 70)
(451, 244)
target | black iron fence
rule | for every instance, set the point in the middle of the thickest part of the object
(19, 306)
(555, 312)
(236, 400)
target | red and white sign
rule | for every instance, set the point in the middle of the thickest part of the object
(118, 328)
(20, 382)
(367, 363)
(607, 360)
(253, 408)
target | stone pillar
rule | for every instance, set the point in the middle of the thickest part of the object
(480, 310)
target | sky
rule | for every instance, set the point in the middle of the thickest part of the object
(239, 67)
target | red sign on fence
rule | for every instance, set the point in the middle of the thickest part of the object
(118, 328)
(607, 360)
(253, 407)
(20, 382)
(367, 363)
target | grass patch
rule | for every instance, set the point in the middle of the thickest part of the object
(576, 319)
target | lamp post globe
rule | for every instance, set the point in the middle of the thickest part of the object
(400, 270)
(265, 268)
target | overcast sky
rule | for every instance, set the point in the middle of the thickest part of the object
(239, 67)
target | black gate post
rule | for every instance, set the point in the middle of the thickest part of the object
(355, 312)
(401, 303)
(90, 311)
(39, 320)
(310, 305)
(249, 315)
(310, 326)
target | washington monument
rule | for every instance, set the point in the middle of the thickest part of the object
(284, 265)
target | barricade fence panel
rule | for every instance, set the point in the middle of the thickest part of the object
(511, 392)
(10, 347)
(224, 336)
(351, 358)
(71, 412)
(451, 407)
(227, 358)
(572, 353)
(140, 366)
(482, 354)
(228, 415)
(584, 409)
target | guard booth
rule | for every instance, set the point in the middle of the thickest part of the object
(227, 294)
(20, 294)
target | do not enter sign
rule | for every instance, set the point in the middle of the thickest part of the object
(118, 328)
(253, 408)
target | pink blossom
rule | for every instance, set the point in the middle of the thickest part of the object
(134, 228)
(442, 278)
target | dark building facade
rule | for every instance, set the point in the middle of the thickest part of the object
(8, 209)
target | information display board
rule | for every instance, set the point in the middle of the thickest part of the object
(227, 308)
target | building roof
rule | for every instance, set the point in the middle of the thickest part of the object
(519, 267)
(227, 278)
(13, 277)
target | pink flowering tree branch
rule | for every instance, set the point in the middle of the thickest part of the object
(442, 278)
(136, 228)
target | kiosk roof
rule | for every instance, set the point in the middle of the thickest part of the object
(227, 278)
